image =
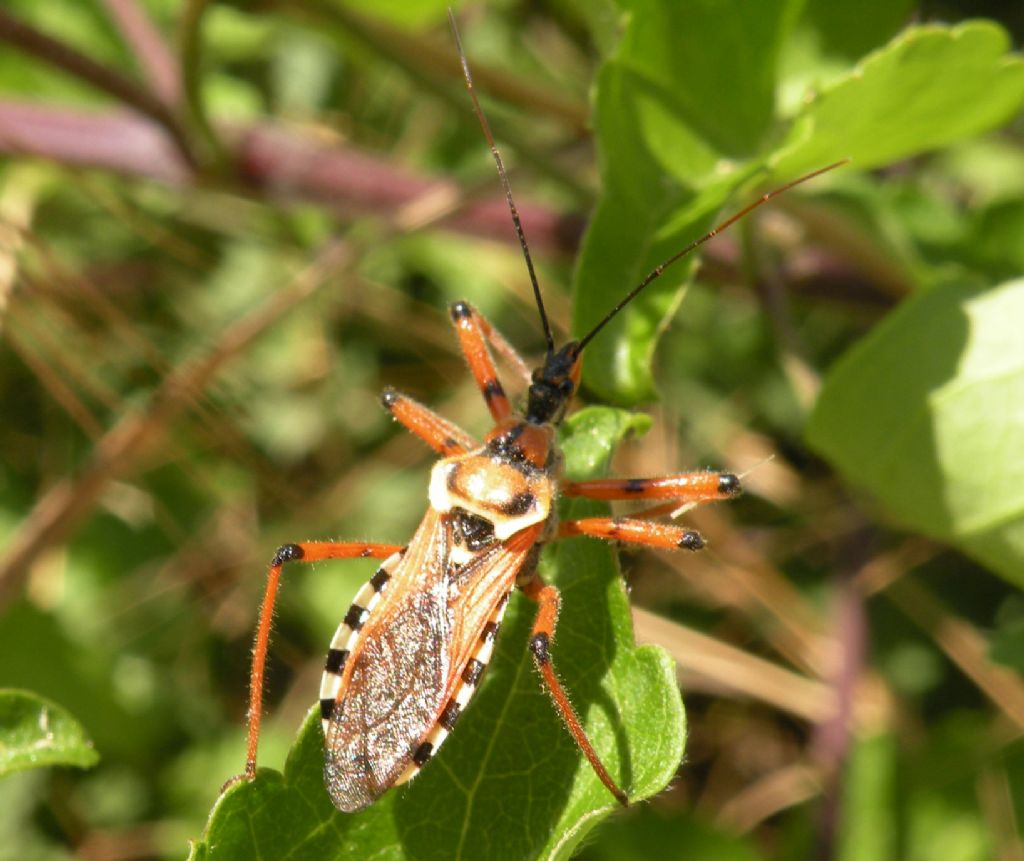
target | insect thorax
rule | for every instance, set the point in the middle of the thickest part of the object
(489, 496)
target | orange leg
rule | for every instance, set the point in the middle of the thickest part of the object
(635, 531)
(682, 488)
(543, 635)
(436, 431)
(509, 353)
(312, 551)
(472, 330)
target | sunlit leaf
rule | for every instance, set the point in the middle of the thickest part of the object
(930, 86)
(927, 415)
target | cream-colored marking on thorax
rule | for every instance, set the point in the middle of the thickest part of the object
(483, 487)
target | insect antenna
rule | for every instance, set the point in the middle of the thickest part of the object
(504, 182)
(732, 219)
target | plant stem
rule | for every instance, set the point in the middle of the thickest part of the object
(62, 56)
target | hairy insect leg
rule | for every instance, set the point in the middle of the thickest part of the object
(312, 551)
(686, 487)
(504, 349)
(443, 436)
(541, 638)
(473, 332)
(635, 531)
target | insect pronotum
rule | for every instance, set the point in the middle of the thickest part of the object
(411, 649)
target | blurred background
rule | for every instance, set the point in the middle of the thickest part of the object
(224, 227)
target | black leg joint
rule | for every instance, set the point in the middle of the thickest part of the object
(691, 540)
(286, 553)
(539, 646)
(492, 389)
(460, 311)
(729, 484)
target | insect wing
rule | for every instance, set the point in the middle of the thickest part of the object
(404, 657)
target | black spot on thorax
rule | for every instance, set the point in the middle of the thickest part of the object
(521, 503)
(473, 531)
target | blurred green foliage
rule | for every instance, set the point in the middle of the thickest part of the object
(192, 347)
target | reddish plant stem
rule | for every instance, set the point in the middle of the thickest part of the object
(118, 141)
(151, 51)
(271, 161)
(833, 739)
(27, 38)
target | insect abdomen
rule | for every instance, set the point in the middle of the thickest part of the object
(391, 693)
(347, 635)
(463, 693)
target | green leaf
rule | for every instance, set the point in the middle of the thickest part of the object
(689, 87)
(510, 783)
(35, 733)
(926, 415)
(623, 243)
(707, 55)
(930, 86)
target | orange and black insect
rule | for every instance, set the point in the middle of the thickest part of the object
(411, 649)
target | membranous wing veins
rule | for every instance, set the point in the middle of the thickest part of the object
(410, 652)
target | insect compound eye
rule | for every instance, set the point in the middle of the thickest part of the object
(472, 530)
(566, 387)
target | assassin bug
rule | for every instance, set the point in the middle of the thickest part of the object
(411, 649)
